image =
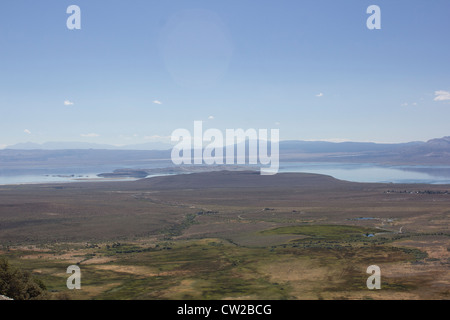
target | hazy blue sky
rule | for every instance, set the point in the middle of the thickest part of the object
(139, 69)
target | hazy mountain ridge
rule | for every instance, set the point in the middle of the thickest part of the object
(57, 145)
(326, 147)
(432, 152)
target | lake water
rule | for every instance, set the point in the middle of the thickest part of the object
(343, 171)
(63, 174)
(374, 173)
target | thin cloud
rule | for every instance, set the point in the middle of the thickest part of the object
(27, 131)
(211, 118)
(319, 95)
(68, 103)
(157, 102)
(407, 104)
(156, 137)
(89, 135)
(441, 95)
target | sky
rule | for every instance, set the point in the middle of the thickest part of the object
(139, 69)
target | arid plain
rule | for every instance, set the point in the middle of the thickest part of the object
(231, 235)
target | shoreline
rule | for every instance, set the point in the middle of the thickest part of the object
(362, 173)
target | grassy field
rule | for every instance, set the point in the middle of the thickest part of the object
(227, 235)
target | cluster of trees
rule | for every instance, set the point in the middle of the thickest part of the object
(18, 284)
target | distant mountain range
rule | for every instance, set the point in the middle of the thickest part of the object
(435, 151)
(432, 152)
(287, 145)
(87, 145)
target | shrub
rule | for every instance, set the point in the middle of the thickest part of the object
(18, 284)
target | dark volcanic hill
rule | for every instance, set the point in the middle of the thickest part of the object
(242, 179)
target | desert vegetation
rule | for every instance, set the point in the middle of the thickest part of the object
(209, 236)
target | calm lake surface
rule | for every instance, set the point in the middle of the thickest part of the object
(374, 173)
(343, 171)
(66, 174)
